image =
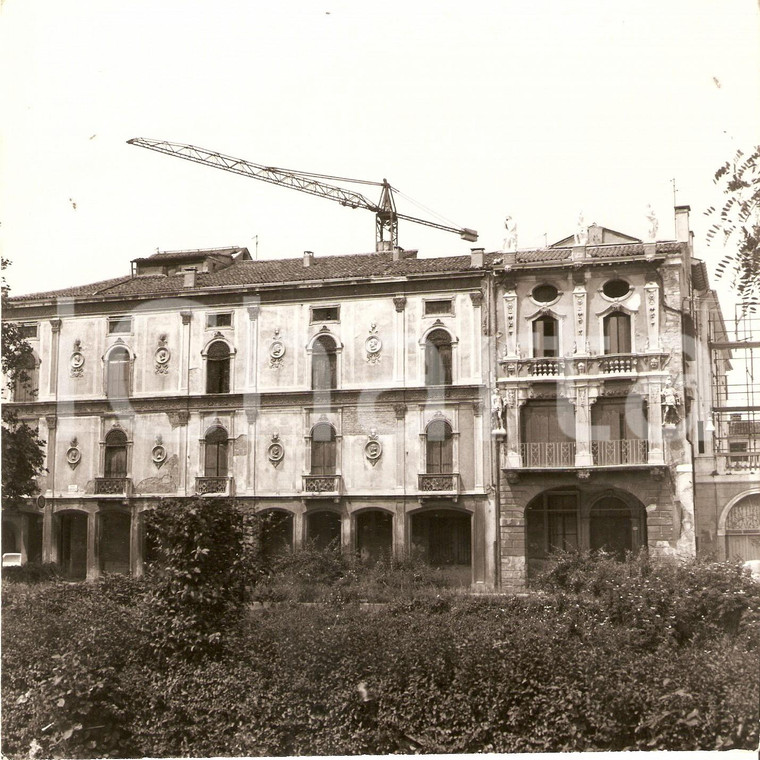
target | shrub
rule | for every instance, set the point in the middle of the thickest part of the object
(202, 567)
(31, 572)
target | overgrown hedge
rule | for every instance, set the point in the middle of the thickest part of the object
(581, 665)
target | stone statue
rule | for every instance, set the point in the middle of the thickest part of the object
(510, 242)
(653, 223)
(581, 232)
(670, 402)
(497, 411)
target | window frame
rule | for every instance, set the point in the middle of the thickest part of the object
(314, 320)
(447, 370)
(221, 445)
(331, 358)
(426, 302)
(214, 315)
(210, 363)
(319, 464)
(123, 319)
(440, 451)
(109, 362)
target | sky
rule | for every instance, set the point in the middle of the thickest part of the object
(537, 109)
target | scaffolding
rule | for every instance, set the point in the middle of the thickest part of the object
(735, 370)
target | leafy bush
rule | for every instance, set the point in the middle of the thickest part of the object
(202, 565)
(313, 574)
(31, 572)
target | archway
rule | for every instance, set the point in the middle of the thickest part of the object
(443, 539)
(742, 528)
(114, 542)
(616, 527)
(323, 529)
(72, 545)
(374, 535)
(276, 532)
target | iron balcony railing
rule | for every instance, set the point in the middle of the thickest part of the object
(116, 486)
(622, 452)
(319, 485)
(222, 485)
(548, 454)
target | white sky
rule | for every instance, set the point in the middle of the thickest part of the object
(538, 109)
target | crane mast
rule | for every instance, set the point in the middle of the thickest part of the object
(386, 216)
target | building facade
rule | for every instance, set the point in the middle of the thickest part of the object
(481, 410)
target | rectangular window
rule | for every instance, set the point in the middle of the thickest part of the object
(28, 330)
(119, 325)
(325, 313)
(437, 308)
(222, 319)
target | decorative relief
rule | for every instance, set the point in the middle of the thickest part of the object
(745, 515)
(73, 454)
(497, 412)
(158, 453)
(77, 360)
(670, 400)
(400, 303)
(162, 356)
(373, 345)
(476, 298)
(373, 449)
(275, 450)
(276, 350)
(400, 411)
(178, 418)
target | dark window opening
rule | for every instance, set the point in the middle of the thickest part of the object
(26, 387)
(324, 364)
(615, 288)
(218, 368)
(28, 331)
(544, 293)
(325, 313)
(276, 533)
(437, 308)
(72, 545)
(323, 529)
(439, 448)
(374, 535)
(323, 450)
(119, 325)
(219, 320)
(115, 462)
(545, 337)
(443, 539)
(617, 333)
(438, 358)
(215, 456)
(114, 542)
(118, 370)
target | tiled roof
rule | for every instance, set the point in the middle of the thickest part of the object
(162, 256)
(322, 269)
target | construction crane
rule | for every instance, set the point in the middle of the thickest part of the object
(386, 216)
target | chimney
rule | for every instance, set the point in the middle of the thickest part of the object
(477, 258)
(189, 274)
(682, 224)
(308, 258)
(399, 253)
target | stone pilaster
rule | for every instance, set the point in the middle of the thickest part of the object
(584, 398)
(656, 454)
(652, 298)
(510, 323)
(580, 319)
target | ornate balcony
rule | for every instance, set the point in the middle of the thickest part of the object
(619, 453)
(553, 368)
(113, 486)
(322, 485)
(548, 454)
(219, 486)
(443, 484)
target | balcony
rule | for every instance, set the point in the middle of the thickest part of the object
(741, 461)
(548, 454)
(552, 368)
(218, 486)
(325, 486)
(113, 486)
(619, 453)
(441, 485)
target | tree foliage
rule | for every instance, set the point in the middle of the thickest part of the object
(736, 224)
(22, 448)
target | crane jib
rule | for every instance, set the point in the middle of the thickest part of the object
(386, 217)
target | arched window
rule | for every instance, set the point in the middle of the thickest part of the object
(742, 529)
(117, 373)
(115, 464)
(617, 333)
(215, 458)
(28, 382)
(324, 364)
(439, 448)
(218, 368)
(438, 358)
(545, 337)
(323, 450)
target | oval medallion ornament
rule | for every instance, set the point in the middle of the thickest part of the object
(373, 345)
(275, 451)
(73, 456)
(77, 364)
(373, 449)
(158, 455)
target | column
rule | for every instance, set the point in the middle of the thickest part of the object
(49, 553)
(135, 542)
(55, 326)
(512, 407)
(475, 347)
(400, 412)
(298, 529)
(399, 348)
(654, 413)
(93, 571)
(478, 443)
(251, 415)
(184, 372)
(652, 291)
(510, 322)
(583, 437)
(251, 359)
